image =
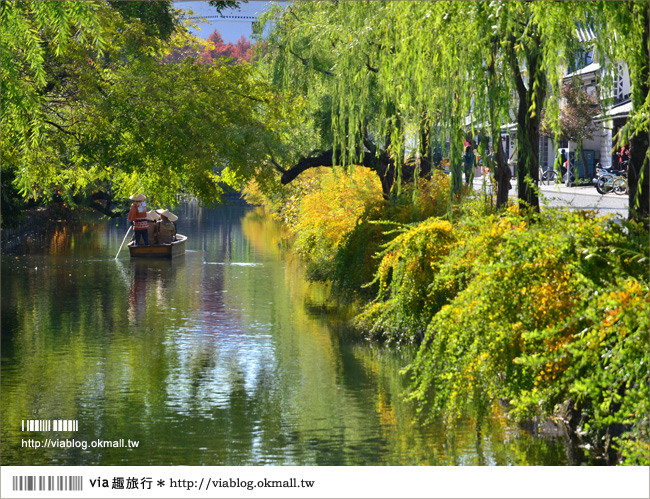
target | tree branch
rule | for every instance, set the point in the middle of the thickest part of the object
(60, 127)
(370, 68)
(328, 159)
(278, 167)
(306, 63)
(368, 144)
(514, 65)
(303, 164)
(293, 13)
(97, 206)
(247, 96)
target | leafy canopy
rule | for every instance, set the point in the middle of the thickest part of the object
(385, 69)
(91, 105)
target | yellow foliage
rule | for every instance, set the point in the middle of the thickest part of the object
(330, 211)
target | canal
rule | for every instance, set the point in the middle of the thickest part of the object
(225, 356)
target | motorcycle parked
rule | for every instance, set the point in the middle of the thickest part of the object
(610, 179)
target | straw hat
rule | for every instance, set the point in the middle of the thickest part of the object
(153, 215)
(166, 213)
(139, 197)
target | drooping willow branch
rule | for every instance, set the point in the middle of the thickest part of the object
(308, 64)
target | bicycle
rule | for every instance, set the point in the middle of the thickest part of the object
(619, 186)
(612, 183)
(547, 177)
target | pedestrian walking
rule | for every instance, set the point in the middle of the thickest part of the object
(470, 163)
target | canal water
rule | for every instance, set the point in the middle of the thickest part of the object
(225, 356)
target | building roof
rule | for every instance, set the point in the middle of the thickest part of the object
(590, 68)
(585, 34)
(619, 111)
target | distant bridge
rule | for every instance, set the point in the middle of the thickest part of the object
(240, 19)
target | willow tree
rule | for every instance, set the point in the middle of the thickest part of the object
(621, 37)
(307, 56)
(627, 23)
(396, 74)
(368, 71)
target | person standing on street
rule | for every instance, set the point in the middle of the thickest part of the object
(623, 158)
(470, 163)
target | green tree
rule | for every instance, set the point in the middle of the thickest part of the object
(158, 17)
(576, 117)
(226, 4)
(622, 35)
(325, 52)
(98, 115)
(30, 31)
(398, 76)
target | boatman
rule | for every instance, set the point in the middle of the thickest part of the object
(138, 215)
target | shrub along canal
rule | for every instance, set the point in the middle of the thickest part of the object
(225, 356)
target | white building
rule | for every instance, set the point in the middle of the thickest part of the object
(598, 148)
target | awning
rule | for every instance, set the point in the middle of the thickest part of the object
(619, 111)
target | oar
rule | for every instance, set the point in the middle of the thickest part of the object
(123, 241)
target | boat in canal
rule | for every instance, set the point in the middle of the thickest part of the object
(176, 248)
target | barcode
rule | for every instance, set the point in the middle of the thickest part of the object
(33, 482)
(50, 425)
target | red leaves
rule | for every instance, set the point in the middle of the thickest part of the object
(241, 51)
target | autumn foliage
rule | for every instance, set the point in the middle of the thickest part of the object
(217, 49)
(547, 314)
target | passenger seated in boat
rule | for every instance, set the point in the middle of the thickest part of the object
(166, 227)
(152, 218)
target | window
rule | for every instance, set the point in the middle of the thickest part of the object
(619, 84)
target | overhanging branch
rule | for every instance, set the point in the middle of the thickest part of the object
(307, 63)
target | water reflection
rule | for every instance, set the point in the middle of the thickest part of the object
(226, 356)
(151, 283)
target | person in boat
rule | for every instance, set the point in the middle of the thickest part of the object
(138, 216)
(166, 227)
(152, 229)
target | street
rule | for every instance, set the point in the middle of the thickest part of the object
(584, 197)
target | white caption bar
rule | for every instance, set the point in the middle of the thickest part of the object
(334, 482)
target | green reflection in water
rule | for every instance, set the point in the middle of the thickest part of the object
(226, 356)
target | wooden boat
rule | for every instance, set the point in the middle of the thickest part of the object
(176, 248)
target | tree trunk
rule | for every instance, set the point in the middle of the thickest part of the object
(425, 146)
(456, 162)
(528, 123)
(638, 168)
(638, 178)
(383, 166)
(525, 158)
(502, 172)
(583, 158)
